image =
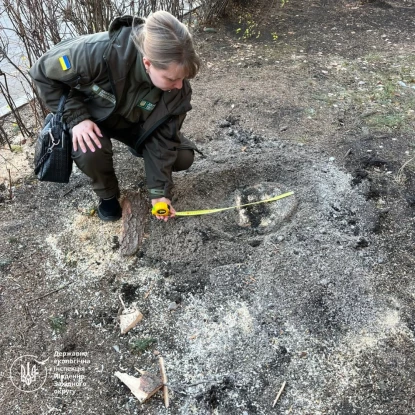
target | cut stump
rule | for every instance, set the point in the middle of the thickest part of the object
(135, 215)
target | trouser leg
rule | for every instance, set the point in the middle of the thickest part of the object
(185, 155)
(99, 166)
(184, 159)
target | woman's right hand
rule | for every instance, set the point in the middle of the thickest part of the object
(84, 134)
(171, 209)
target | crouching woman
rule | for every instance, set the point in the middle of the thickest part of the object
(130, 84)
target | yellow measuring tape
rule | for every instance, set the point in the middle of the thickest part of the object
(163, 209)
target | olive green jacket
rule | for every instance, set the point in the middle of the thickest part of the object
(96, 70)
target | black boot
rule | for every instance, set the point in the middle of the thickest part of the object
(109, 209)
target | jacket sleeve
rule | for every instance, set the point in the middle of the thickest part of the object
(64, 67)
(160, 153)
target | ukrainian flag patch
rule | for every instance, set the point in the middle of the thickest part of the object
(64, 61)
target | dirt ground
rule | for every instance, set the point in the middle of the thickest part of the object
(316, 290)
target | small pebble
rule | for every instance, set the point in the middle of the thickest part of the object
(173, 306)
(224, 124)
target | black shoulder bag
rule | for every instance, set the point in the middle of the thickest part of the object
(53, 161)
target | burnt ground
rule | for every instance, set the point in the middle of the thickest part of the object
(315, 290)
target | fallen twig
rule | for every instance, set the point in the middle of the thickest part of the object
(69, 191)
(164, 380)
(122, 302)
(399, 176)
(10, 185)
(279, 394)
(7, 161)
(59, 288)
(27, 310)
(149, 291)
(347, 153)
(50, 292)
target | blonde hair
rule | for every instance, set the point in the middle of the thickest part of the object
(164, 40)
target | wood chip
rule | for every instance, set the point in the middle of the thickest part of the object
(129, 318)
(143, 387)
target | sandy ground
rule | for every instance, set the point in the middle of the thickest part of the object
(315, 291)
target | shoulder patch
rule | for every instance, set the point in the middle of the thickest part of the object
(65, 63)
(59, 66)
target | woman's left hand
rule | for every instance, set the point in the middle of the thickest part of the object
(171, 209)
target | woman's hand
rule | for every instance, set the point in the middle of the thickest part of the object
(172, 211)
(84, 134)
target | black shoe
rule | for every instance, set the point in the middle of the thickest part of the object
(109, 209)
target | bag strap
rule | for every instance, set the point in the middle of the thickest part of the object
(61, 105)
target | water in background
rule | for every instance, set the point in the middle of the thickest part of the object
(16, 84)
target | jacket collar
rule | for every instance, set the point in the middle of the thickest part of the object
(124, 21)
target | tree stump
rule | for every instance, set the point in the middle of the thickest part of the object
(135, 215)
